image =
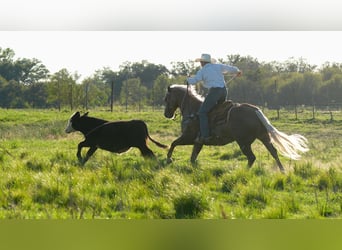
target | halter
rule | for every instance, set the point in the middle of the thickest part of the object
(91, 131)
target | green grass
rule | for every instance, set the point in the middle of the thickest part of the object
(41, 178)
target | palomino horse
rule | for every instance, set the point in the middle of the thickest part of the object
(229, 122)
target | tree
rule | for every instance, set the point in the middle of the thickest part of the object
(11, 95)
(183, 68)
(147, 72)
(24, 71)
(159, 89)
(328, 70)
(133, 93)
(331, 90)
(7, 68)
(36, 95)
(31, 71)
(60, 89)
(95, 92)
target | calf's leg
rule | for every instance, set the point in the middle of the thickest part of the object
(146, 152)
(90, 152)
(79, 149)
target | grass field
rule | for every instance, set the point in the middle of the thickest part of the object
(41, 177)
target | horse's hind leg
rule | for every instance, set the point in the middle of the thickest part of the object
(267, 142)
(247, 151)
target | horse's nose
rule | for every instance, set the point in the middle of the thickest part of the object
(168, 115)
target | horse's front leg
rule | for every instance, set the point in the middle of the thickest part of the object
(195, 151)
(182, 140)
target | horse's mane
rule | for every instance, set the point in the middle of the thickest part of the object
(192, 90)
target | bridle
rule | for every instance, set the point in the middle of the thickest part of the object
(187, 93)
(184, 97)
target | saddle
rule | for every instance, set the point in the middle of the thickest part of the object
(220, 113)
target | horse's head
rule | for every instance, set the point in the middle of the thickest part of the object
(183, 97)
(171, 103)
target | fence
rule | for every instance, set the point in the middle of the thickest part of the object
(291, 112)
(322, 112)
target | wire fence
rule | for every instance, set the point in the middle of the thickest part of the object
(319, 112)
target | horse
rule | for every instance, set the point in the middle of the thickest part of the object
(117, 137)
(229, 122)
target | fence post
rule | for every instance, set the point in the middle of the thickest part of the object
(313, 112)
(112, 98)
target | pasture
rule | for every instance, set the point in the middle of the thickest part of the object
(41, 176)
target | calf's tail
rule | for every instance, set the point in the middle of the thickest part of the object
(149, 137)
(157, 143)
(288, 145)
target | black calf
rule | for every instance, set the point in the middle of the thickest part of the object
(115, 137)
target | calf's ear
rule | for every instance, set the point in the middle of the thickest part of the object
(76, 115)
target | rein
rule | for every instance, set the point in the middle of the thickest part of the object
(187, 93)
(184, 97)
(231, 79)
(91, 131)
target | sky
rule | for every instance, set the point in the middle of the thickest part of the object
(85, 52)
(88, 35)
(170, 15)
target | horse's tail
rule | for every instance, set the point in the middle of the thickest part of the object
(288, 145)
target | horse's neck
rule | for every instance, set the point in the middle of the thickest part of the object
(90, 124)
(191, 107)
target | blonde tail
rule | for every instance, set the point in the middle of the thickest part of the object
(288, 145)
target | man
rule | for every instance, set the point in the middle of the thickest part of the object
(212, 75)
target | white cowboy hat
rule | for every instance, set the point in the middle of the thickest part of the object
(205, 58)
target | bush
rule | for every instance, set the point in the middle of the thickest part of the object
(254, 199)
(190, 205)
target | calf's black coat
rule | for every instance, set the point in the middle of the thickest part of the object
(117, 137)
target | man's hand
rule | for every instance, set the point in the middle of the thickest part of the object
(239, 73)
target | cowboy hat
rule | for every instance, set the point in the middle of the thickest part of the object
(205, 58)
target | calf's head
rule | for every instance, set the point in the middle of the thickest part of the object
(72, 123)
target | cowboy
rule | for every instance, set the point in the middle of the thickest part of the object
(212, 75)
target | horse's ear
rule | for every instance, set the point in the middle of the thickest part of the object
(169, 88)
(86, 114)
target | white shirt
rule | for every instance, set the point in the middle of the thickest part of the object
(212, 75)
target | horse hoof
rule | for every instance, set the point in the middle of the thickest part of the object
(168, 160)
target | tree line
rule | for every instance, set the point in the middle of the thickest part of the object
(27, 83)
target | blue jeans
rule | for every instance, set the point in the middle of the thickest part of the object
(214, 96)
